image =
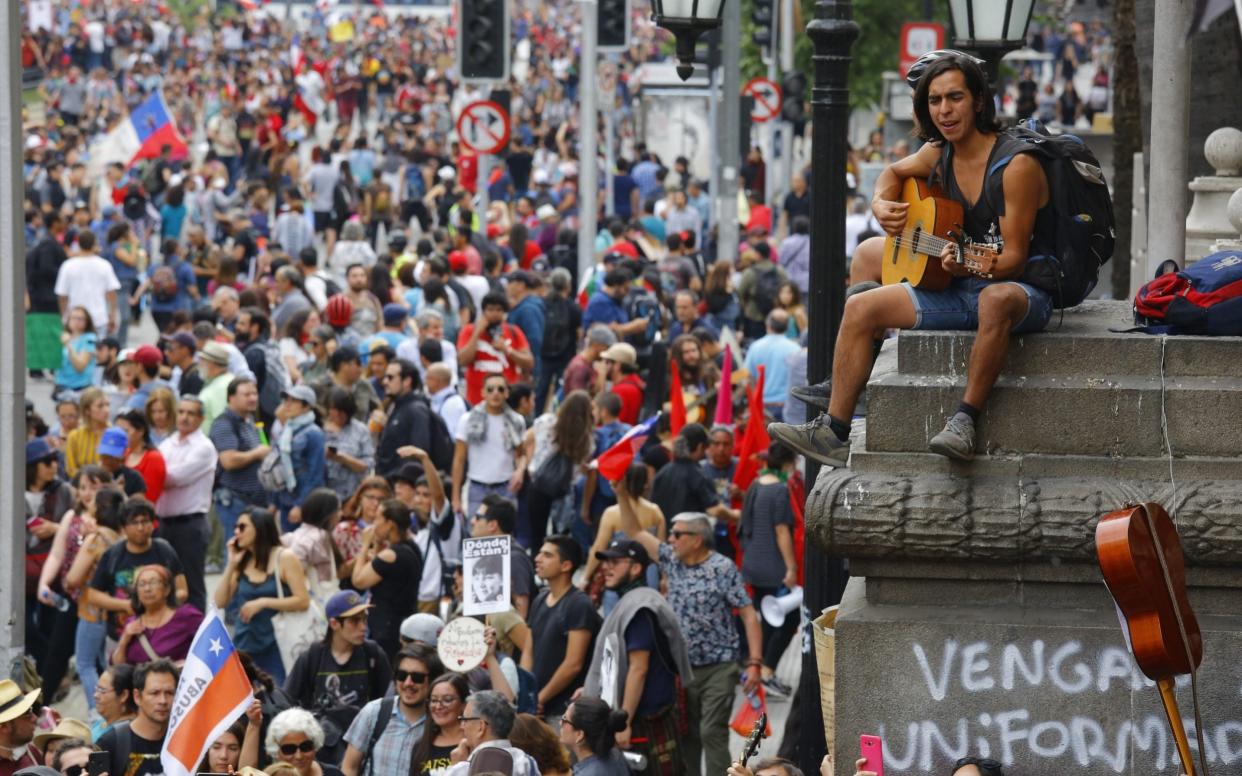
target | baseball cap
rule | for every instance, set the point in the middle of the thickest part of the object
(147, 355)
(409, 473)
(422, 627)
(125, 355)
(545, 211)
(185, 339)
(622, 353)
(625, 548)
(346, 603)
(38, 449)
(457, 261)
(540, 177)
(303, 393)
(394, 313)
(522, 276)
(113, 442)
(446, 173)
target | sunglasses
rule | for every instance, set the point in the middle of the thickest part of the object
(497, 389)
(305, 747)
(679, 534)
(418, 677)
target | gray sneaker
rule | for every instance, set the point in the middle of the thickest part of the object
(814, 440)
(957, 440)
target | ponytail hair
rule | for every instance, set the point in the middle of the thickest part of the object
(599, 723)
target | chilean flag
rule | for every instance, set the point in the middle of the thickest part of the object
(212, 694)
(140, 136)
(613, 462)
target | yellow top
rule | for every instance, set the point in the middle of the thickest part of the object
(81, 449)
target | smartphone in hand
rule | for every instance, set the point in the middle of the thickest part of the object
(97, 763)
(872, 749)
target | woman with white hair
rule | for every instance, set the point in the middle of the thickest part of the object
(351, 249)
(295, 737)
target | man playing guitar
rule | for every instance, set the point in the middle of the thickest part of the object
(955, 112)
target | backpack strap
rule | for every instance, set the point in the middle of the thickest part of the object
(377, 730)
(124, 747)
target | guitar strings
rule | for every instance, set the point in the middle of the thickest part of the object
(930, 244)
(1164, 568)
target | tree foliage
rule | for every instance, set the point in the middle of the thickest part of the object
(875, 51)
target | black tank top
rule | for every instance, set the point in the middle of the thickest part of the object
(984, 216)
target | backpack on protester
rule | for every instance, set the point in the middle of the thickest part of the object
(442, 443)
(1204, 298)
(558, 329)
(1082, 207)
(276, 378)
(342, 201)
(767, 288)
(641, 303)
(164, 283)
(330, 287)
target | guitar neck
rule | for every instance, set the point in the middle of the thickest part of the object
(1168, 696)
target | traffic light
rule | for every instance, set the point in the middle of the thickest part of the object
(793, 91)
(613, 25)
(483, 41)
(762, 14)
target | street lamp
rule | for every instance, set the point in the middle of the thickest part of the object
(991, 27)
(687, 19)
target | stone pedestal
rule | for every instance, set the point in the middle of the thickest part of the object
(976, 621)
(1208, 220)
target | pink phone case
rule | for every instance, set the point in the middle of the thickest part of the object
(872, 749)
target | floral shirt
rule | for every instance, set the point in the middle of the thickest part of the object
(704, 597)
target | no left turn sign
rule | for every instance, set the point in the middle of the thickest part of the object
(767, 97)
(483, 127)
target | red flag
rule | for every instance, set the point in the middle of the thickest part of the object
(724, 392)
(677, 413)
(756, 440)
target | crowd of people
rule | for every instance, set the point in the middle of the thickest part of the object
(354, 367)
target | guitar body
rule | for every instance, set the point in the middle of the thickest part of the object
(1128, 559)
(930, 212)
(1140, 556)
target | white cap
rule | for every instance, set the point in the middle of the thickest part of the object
(545, 211)
(446, 173)
(540, 177)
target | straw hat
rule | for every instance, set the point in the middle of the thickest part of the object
(13, 703)
(66, 728)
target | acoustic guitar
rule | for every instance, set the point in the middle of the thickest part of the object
(1141, 559)
(932, 222)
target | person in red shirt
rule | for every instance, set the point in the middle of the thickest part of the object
(622, 362)
(492, 347)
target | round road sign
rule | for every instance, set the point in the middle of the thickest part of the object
(767, 97)
(483, 127)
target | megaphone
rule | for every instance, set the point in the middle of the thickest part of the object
(775, 608)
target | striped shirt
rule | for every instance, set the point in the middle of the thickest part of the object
(81, 448)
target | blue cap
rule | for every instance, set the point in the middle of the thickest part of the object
(113, 442)
(346, 603)
(38, 449)
(394, 313)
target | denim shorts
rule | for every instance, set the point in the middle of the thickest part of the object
(957, 307)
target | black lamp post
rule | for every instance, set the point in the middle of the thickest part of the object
(991, 28)
(687, 19)
(833, 33)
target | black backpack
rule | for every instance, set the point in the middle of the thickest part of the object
(558, 327)
(767, 288)
(1082, 208)
(442, 442)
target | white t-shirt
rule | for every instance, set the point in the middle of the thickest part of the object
(487, 461)
(429, 585)
(86, 281)
(478, 287)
